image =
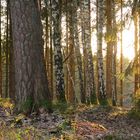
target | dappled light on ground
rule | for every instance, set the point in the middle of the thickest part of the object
(79, 123)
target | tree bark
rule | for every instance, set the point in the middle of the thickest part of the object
(0, 54)
(109, 40)
(58, 60)
(100, 70)
(31, 85)
(78, 60)
(88, 58)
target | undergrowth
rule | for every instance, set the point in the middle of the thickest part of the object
(135, 111)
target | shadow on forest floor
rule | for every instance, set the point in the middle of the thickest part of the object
(82, 123)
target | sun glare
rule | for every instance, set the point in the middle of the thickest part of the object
(128, 43)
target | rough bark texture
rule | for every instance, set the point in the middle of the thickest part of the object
(51, 70)
(100, 70)
(136, 51)
(71, 63)
(78, 61)
(0, 56)
(121, 58)
(109, 37)
(31, 86)
(86, 37)
(58, 60)
(7, 53)
(11, 64)
(114, 56)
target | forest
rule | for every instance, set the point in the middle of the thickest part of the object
(69, 69)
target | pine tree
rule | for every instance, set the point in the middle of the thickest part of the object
(31, 86)
(0, 54)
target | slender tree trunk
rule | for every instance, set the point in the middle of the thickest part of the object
(31, 85)
(78, 61)
(86, 37)
(0, 54)
(121, 60)
(114, 56)
(139, 42)
(7, 52)
(66, 52)
(11, 63)
(47, 49)
(136, 51)
(58, 60)
(100, 21)
(109, 49)
(51, 69)
(71, 63)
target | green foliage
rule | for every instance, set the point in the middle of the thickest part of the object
(27, 105)
(137, 100)
(130, 68)
(135, 111)
(45, 104)
(111, 137)
(93, 99)
(61, 106)
(121, 76)
(65, 125)
(135, 114)
(103, 102)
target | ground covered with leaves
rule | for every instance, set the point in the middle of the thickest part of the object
(74, 123)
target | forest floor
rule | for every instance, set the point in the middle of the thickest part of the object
(81, 123)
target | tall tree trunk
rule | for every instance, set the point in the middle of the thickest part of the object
(89, 67)
(121, 60)
(71, 63)
(109, 49)
(47, 46)
(11, 63)
(7, 52)
(51, 69)
(139, 41)
(66, 52)
(136, 51)
(78, 61)
(114, 56)
(58, 60)
(100, 70)
(0, 54)
(31, 85)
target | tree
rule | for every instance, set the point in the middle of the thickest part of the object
(136, 51)
(31, 85)
(100, 71)
(121, 58)
(7, 52)
(70, 48)
(11, 62)
(114, 56)
(111, 51)
(88, 59)
(109, 30)
(58, 59)
(78, 60)
(0, 55)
